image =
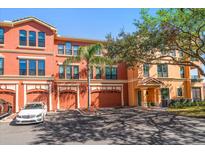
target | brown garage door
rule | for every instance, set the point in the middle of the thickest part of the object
(38, 96)
(68, 100)
(106, 99)
(8, 97)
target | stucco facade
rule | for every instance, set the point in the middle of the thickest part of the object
(57, 93)
(35, 72)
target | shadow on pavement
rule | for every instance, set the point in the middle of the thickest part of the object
(120, 126)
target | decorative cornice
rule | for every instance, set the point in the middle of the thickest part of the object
(26, 52)
(19, 77)
(92, 81)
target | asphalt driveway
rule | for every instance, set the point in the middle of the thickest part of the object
(110, 126)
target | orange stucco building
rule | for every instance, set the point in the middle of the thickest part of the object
(31, 69)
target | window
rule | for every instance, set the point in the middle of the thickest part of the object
(108, 72)
(22, 38)
(75, 50)
(162, 70)
(165, 93)
(60, 49)
(181, 54)
(32, 38)
(196, 93)
(1, 66)
(41, 67)
(111, 72)
(76, 72)
(41, 39)
(68, 50)
(173, 53)
(61, 72)
(98, 52)
(91, 72)
(114, 73)
(179, 91)
(182, 71)
(98, 72)
(23, 67)
(32, 67)
(146, 70)
(1, 36)
(69, 72)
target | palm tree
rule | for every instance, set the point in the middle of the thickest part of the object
(91, 55)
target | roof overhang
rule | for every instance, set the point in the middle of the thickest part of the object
(27, 19)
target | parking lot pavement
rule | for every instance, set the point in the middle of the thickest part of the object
(109, 126)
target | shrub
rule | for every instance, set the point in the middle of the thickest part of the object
(149, 104)
(180, 103)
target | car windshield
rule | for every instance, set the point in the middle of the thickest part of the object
(34, 106)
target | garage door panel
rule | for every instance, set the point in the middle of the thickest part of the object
(8, 97)
(68, 101)
(106, 99)
(38, 97)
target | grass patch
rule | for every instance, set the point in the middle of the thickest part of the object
(194, 111)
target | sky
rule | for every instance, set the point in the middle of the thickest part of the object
(83, 23)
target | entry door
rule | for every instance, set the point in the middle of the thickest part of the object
(139, 98)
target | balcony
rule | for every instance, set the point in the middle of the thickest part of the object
(195, 78)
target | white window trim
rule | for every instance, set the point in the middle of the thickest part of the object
(28, 57)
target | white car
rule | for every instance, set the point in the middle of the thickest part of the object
(34, 112)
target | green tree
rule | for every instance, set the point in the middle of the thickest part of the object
(167, 30)
(92, 55)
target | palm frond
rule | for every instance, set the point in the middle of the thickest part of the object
(73, 59)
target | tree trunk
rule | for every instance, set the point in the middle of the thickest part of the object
(88, 80)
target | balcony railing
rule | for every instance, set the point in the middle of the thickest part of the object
(195, 78)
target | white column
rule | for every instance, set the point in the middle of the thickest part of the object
(122, 96)
(58, 99)
(78, 97)
(50, 97)
(17, 97)
(25, 95)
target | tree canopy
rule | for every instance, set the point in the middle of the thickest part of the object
(157, 36)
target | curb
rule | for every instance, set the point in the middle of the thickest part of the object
(8, 118)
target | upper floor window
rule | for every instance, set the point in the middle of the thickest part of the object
(76, 72)
(68, 49)
(111, 72)
(32, 67)
(41, 67)
(173, 53)
(41, 39)
(181, 54)
(1, 36)
(162, 70)
(98, 72)
(69, 72)
(60, 49)
(1, 66)
(91, 72)
(22, 38)
(23, 67)
(61, 72)
(146, 70)
(182, 71)
(32, 38)
(75, 50)
(98, 52)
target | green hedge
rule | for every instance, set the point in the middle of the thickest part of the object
(178, 104)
